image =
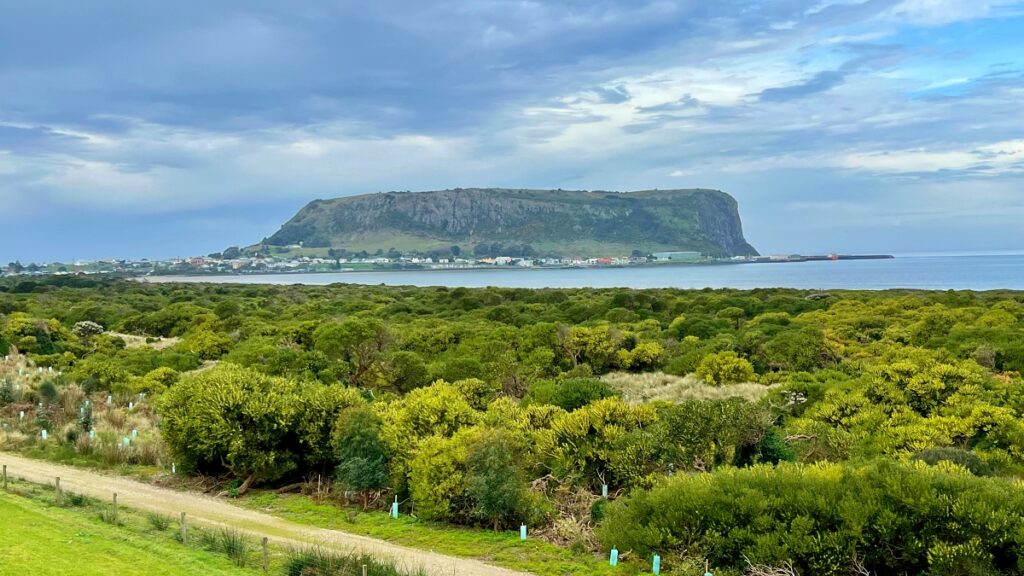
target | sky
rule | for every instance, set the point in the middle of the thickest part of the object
(136, 129)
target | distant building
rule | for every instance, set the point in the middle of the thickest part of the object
(677, 256)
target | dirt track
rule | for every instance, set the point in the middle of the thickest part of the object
(206, 510)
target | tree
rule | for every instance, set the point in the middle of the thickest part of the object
(725, 368)
(86, 329)
(358, 343)
(644, 356)
(361, 452)
(494, 482)
(406, 371)
(232, 253)
(733, 314)
(455, 250)
(207, 344)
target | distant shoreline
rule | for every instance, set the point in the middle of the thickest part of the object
(166, 278)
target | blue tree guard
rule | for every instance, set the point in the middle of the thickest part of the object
(604, 490)
(522, 532)
(394, 508)
(613, 558)
(656, 565)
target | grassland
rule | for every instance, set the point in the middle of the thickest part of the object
(81, 537)
(40, 539)
(661, 387)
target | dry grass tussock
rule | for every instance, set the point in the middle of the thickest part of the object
(133, 341)
(658, 386)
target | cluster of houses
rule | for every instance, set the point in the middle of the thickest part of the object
(245, 263)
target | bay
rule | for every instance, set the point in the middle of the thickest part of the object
(959, 272)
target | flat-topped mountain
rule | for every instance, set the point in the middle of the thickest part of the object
(555, 222)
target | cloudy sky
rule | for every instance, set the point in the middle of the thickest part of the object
(151, 129)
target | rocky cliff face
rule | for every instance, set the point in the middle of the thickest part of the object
(554, 221)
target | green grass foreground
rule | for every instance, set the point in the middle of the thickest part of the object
(37, 539)
(499, 548)
(82, 538)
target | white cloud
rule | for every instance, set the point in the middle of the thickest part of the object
(946, 83)
(941, 12)
(991, 159)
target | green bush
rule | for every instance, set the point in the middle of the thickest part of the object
(965, 458)
(826, 520)
(725, 368)
(158, 522)
(568, 394)
(6, 392)
(320, 562)
(494, 482)
(242, 421)
(361, 452)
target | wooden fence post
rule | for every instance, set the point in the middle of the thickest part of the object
(266, 554)
(184, 529)
(114, 508)
(60, 494)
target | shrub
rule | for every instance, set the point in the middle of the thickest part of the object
(829, 519)
(361, 451)
(320, 562)
(6, 392)
(569, 394)
(965, 458)
(437, 477)
(234, 417)
(158, 522)
(494, 483)
(48, 391)
(725, 368)
(229, 542)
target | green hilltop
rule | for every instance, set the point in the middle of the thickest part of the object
(551, 222)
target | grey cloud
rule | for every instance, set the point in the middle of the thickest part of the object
(684, 103)
(820, 82)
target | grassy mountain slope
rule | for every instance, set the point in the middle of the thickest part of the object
(552, 221)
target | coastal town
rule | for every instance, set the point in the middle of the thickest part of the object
(257, 263)
(234, 261)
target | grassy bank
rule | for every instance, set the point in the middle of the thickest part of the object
(500, 548)
(40, 539)
(82, 537)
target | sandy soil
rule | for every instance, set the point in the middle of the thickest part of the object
(209, 511)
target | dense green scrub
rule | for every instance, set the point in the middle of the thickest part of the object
(486, 407)
(828, 519)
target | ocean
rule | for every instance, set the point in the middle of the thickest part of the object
(938, 272)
